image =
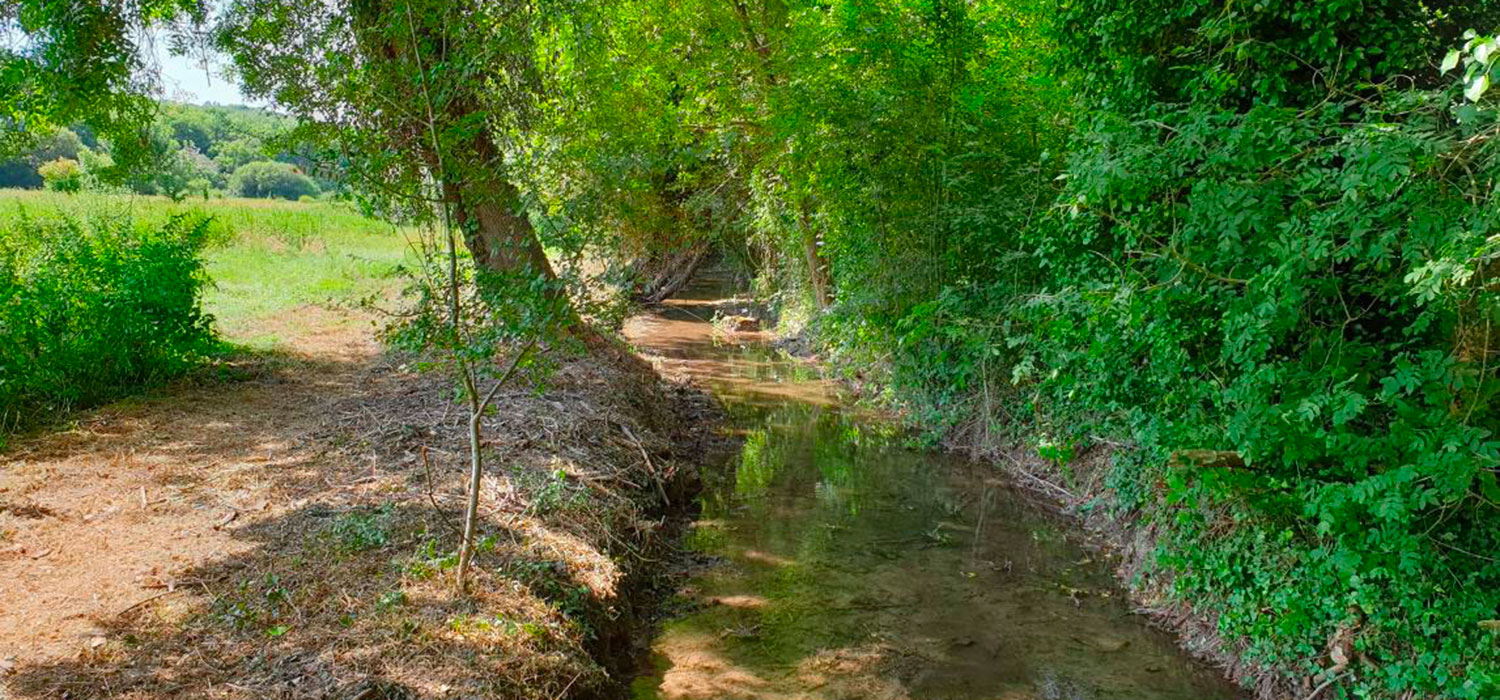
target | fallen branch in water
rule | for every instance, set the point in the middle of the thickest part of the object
(1066, 495)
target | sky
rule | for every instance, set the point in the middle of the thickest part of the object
(185, 79)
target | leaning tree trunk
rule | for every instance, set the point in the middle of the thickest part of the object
(485, 205)
(663, 274)
(487, 208)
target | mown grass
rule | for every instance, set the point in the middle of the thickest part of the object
(267, 258)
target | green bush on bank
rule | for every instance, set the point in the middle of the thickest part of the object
(1250, 259)
(93, 309)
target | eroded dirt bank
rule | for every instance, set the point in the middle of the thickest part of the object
(288, 532)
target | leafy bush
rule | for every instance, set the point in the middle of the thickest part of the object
(1315, 298)
(92, 310)
(267, 179)
(62, 175)
(1252, 261)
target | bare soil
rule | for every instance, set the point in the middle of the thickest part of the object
(281, 527)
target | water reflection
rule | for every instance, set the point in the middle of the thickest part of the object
(854, 568)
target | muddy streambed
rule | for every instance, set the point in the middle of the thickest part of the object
(837, 563)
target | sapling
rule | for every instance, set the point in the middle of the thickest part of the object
(467, 341)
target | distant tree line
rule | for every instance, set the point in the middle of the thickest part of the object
(191, 150)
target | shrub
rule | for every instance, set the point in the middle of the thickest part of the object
(92, 310)
(95, 166)
(62, 175)
(266, 179)
(1293, 278)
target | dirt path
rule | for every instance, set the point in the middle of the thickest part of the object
(97, 520)
(288, 534)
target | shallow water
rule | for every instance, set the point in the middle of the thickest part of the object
(839, 564)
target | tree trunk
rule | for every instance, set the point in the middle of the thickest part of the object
(487, 208)
(817, 267)
(485, 205)
(500, 238)
(496, 230)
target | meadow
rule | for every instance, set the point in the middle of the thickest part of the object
(265, 259)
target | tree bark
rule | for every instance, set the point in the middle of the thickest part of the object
(817, 267)
(485, 204)
(498, 235)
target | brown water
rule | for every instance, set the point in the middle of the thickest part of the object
(839, 564)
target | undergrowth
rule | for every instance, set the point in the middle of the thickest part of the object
(1285, 322)
(92, 309)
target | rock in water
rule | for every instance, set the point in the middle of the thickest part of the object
(744, 324)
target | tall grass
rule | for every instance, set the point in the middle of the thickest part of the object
(264, 258)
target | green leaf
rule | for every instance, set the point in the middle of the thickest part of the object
(1489, 487)
(1450, 61)
(1352, 405)
(1477, 87)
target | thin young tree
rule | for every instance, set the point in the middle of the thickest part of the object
(418, 100)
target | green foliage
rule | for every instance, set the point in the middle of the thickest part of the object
(267, 179)
(179, 150)
(267, 258)
(1270, 235)
(62, 175)
(24, 169)
(362, 529)
(1129, 56)
(91, 310)
(230, 156)
(1268, 242)
(878, 143)
(174, 170)
(1312, 296)
(65, 62)
(219, 140)
(1478, 56)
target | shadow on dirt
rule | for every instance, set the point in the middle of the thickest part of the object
(337, 582)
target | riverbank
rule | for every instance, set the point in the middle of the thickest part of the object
(282, 529)
(832, 561)
(1078, 485)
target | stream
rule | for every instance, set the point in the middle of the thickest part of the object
(835, 562)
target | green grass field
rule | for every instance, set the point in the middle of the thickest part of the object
(268, 257)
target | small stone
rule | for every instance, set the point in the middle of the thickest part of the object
(1109, 645)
